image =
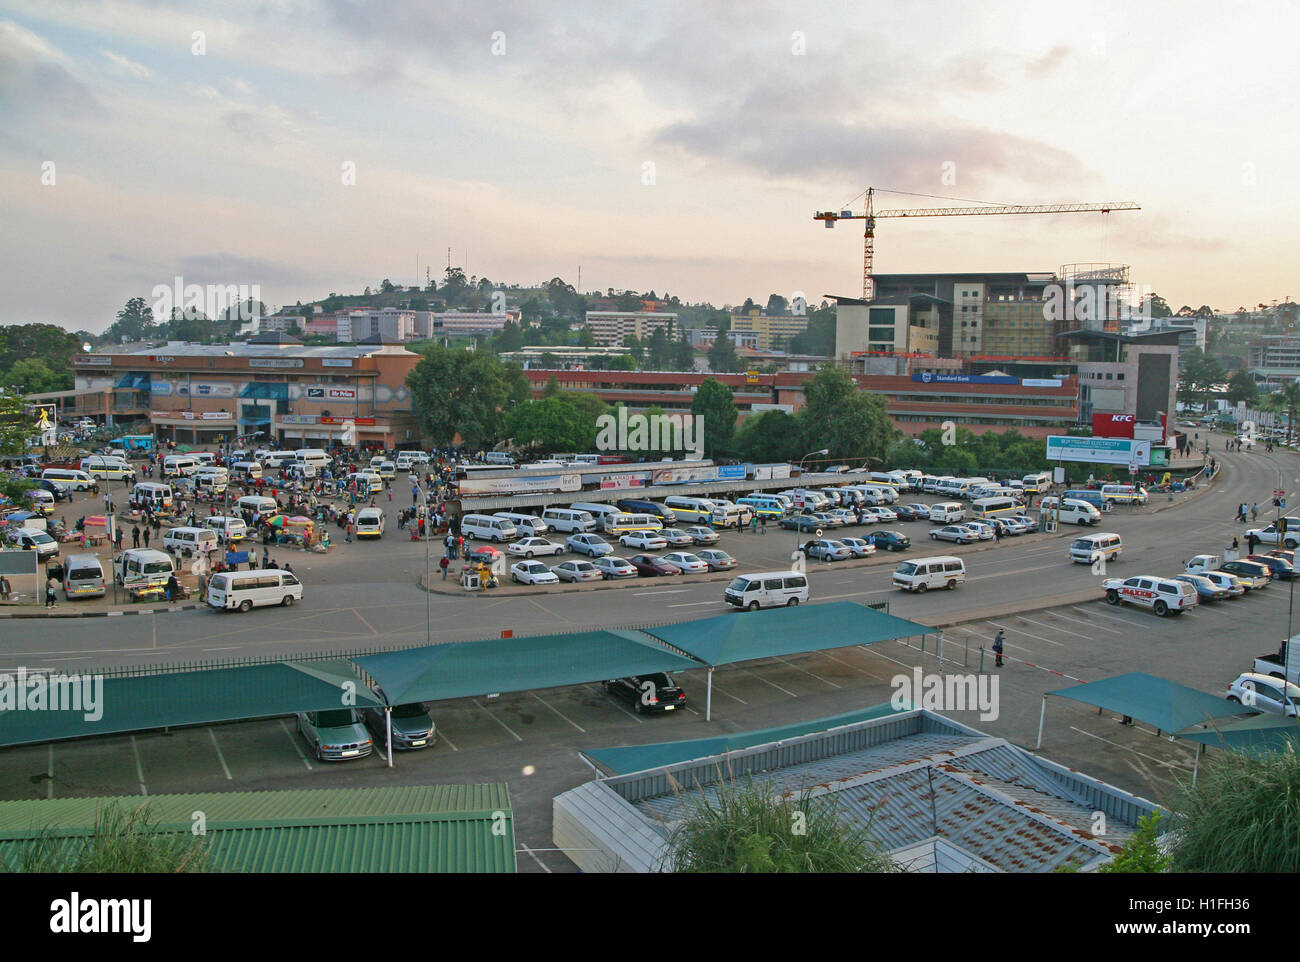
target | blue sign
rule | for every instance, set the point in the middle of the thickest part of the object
(732, 472)
(928, 378)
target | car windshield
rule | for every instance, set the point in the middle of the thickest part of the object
(409, 711)
(335, 718)
(906, 568)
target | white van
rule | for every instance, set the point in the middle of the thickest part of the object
(498, 457)
(367, 482)
(529, 525)
(218, 479)
(1106, 547)
(1124, 493)
(179, 466)
(233, 529)
(1073, 511)
(947, 512)
(276, 459)
(138, 567)
(42, 501)
(569, 521)
(769, 589)
(205, 458)
(313, 456)
(370, 523)
(83, 577)
(258, 504)
(187, 541)
(76, 480)
(922, 574)
(106, 468)
(487, 528)
(247, 470)
(158, 495)
(1037, 483)
(247, 590)
(597, 511)
(690, 510)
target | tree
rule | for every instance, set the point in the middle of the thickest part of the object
(1242, 387)
(747, 828)
(851, 424)
(723, 358)
(17, 424)
(454, 287)
(134, 321)
(586, 337)
(385, 286)
(510, 339)
(1160, 307)
(660, 351)
(559, 422)
(621, 362)
(634, 347)
(1141, 854)
(716, 403)
(465, 393)
(552, 387)
(770, 437)
(683, 356)
(46, 342)
(777, 305)
(32, 376)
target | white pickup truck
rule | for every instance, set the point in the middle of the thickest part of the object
(1272, 664)
(1270, 535)
(1161, 595)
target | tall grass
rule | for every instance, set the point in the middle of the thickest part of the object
(121, 842)
(1242, 815)
(745, 829)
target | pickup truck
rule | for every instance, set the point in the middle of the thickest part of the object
(1271, 664)
(1161, 595)
(1269, 535)
(1203, 563)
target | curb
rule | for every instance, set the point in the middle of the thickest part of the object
(102, 614)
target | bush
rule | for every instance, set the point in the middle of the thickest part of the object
(121, 842)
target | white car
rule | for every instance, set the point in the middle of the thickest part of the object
(592, 545)
(981, 527)
(703, 535)
(1161, 595)
(577, 571)
(880, 513)
(860, 548)
(528, 547)
(611, 568)
(645, 540)
(1230, 583)
(1264, 693)
(716, 559)
(686, 562)
(676, 537)
(532, 573)
(955, 532)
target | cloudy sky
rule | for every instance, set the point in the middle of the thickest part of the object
(676, 146)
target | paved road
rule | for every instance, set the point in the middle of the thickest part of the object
(365, 596)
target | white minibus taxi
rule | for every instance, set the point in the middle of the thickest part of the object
(83, 577)
(247, 590)
(1073, 511)
(569, 521)
(922, 574)
(769, 589)
(946, 512)
(529, 526)
(485, 527)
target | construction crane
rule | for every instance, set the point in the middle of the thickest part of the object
(870, 215)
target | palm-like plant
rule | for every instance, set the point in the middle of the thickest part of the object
(1291, 401)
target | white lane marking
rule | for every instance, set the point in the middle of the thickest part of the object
(807, 672)
(1030, 634)
(497, 720)
(1107, 615)
(869, 674)
(220, 757)
(534, 857)
(139, 769)
(1078, 621)
(1064, 631)
(772, 683)
(448, 741)
(293, 740)
(558, 712)
(1151, 758)
(691, 604)
(646, 594)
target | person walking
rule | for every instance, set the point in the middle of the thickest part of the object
(135, 536)
(1254, 511)
(762, 528)
(998, 640)
(444, 564)
(117, 538)
(146, 536)
(50, 587)
(5, 588)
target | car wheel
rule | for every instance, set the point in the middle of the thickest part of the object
(287, 601)
(496, 539)
(528, 554)
(1161, 608)
(792, 603)
(245, 606)
(753, 606)
(514, 577)
(952, 585)
(922, 587)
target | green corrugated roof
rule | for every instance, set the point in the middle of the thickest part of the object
(461, 669)
(743, 636)
(157, 700)
(419, 828)
(639, 758)
(1164, 704)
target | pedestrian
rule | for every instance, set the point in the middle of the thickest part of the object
(173, 589)
(1236, 545)
(444, 564)
(763, 525)
(117, 539)
(754, 522)
(266, 558)
(1254, 511)
(997, 646)
(1250, 544)
(146, 536)
(135, 536)
(5, 588)
(997, 533)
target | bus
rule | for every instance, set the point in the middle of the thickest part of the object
(998, 507)
(621, 524)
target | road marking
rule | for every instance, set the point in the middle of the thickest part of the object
(1104, 614)
(645, 594)
(558, 712)
(1058, 644)
(226, 648)
(869, 674)
(772, 683)
(806, 672)
(1150, 758)
(139, 769)
(610, 698)
(497, 720)
(534, 857)
(691, 604)
(220, 757)
(448, 741)
(293, 740)
(1113, 631)
(728, 694)
(1064, 631)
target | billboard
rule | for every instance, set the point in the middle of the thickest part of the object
(1099, 450)
(520, 485)
(1113, 425)
(683, 475)
(927, 377)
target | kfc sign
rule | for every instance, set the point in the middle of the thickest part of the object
(1112, 425)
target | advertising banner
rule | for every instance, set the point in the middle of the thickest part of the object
(1099, 450)
(683, 475)
(481, 487)
(623, 481)
(1113, 425)
(733, 472)
(331, 393)
(928, 377)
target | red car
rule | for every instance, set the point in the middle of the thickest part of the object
(648, 566)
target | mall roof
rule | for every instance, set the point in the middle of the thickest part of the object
(415, 828)
(251, 348)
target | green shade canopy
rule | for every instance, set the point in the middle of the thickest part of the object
(1161, 703)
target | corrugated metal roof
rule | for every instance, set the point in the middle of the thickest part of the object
(419, 828)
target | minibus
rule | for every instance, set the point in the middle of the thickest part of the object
(499, 457)
(1106, 546)
(232, 529)
(997, 507)
(1091, 495)
(569, 521)
(1037, 483)
(370, 523)
(141, 567)
(763, 505)
(69, 478)
(947, 512)
(158, 495)
(247, 590)
(485, 527)
(922, 574)
(768, 589)
(597, 511)
(187, 541)
(179, 466)
(258, 504)
(636, 506)
(528, 525)
(246, 470)
(1124, 493)
(107, 468)
(620, 524)
(83, 577)
(1072, 511)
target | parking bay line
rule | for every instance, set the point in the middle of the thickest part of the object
(497, 720)
(558, 712)
(673, 591)
(869, 674)
(294, 742)
(1151, 758)
(772, 683)
(1064, 631)
(807, 672)
(1049, 641)
(220, 757)
(1135, 624)
(634, 717)
(139, 769)
(1113, 631)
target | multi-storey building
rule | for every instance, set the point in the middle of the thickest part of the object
(771, 331)
(392, 323)
(610, 327)
(1275, 359)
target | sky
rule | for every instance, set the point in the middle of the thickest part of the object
(305, 147)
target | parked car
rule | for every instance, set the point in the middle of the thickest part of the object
(648, 693)
(890, 540)
(859, 547)
(611, 568)
(1280, 568)
(826, 550)
(335, 735)
(827, 520)
(577, 571)
(687, 562)
(530, 547)
(412, 726)
(801, 522)
(955, 532)
(1206, 590)
(532, 573)
(981, 526)
(592, 545)
(1161, 595)
(702, 535)
(1229, 583)
(1264, 693)
(676, 537)
(645, 540)
(716, 559)
(1252, 574)
(649, 566)
(846, 516)
(880, 513)
(912, 512)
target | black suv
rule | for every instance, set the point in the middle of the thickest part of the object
(648, 693)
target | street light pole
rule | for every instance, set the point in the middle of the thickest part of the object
(797, 531)
(428, 585)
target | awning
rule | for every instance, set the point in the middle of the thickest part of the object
(1163, 704)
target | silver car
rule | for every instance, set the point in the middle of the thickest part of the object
(703, 535)
(577, 571)
(611, 568)
(716, 559)
(955, 532)
(859, 548)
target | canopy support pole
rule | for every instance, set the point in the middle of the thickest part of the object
(1196, 763)
(388, 724)
(708, 698)
(1042, 716)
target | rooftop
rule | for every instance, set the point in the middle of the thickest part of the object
(275, 345)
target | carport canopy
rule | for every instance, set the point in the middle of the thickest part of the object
(1257, 733)
(465, 668)
(745, 636)
(143, 701)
